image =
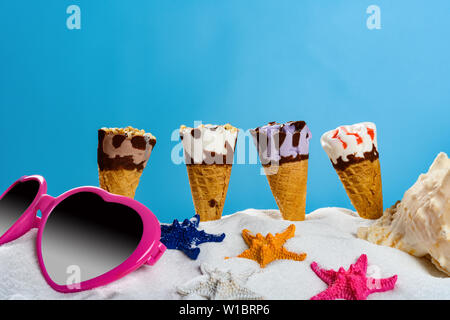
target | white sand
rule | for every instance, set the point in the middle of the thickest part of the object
(328, 236)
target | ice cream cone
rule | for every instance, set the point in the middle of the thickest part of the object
(122, 155)
(362, 182)
(284, 152)
(122, 182)
(209, 185)
(288, 187)
(354, 155)
(209, 151)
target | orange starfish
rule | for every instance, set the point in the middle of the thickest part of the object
(264, 250)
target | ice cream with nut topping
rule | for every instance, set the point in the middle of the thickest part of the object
(284, 152)
(353, 151)
(209, 151)
(122, 155)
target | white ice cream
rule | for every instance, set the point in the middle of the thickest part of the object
(348, 140)
(199, 143)
(420, 223)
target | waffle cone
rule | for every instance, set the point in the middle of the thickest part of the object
(122, 182)
(288, 184)
(362, 182)
(209, 185)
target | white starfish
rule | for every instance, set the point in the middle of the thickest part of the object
(217, 284)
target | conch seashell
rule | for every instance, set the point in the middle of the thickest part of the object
(420, 223)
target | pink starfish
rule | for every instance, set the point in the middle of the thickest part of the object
(352, 284)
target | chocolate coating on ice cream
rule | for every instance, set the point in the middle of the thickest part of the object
(282, 143)
(209, 144)
(117, 140)
(127, 148)
(352, 159)
(351, 144)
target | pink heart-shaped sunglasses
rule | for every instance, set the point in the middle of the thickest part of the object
(87, 237)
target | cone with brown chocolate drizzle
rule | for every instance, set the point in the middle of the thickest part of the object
(284, 152)
(209, 151)
(354, 155)
(122, 155)
(362, 182)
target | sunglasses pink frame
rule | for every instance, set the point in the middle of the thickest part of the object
(148, 251)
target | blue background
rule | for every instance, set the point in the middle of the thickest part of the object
(158, 64)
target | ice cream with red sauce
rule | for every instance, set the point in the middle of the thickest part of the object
(353, 151)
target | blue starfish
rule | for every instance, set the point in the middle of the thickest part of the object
(186, 237)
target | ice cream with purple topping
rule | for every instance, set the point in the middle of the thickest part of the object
(280, 143)
(284, 152)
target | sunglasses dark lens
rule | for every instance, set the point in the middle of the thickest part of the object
(16, 202)
(85, 237)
